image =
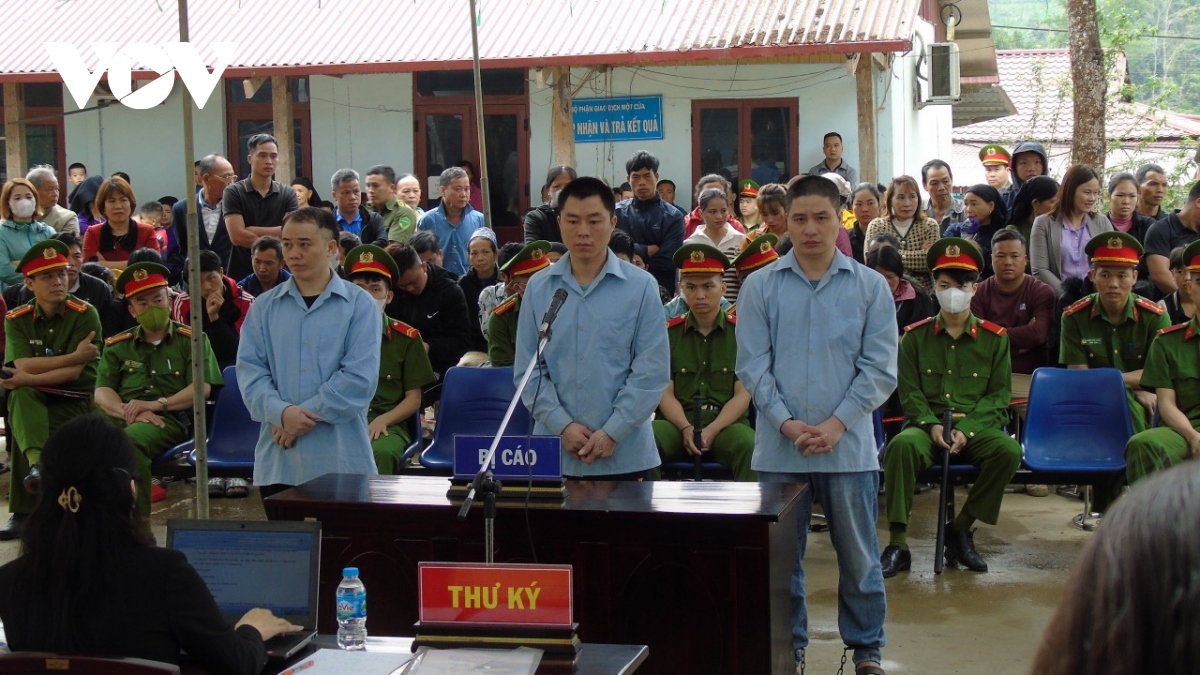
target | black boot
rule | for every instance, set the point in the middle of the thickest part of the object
(960, 549)
(33, 479)
(13, 529)
(895, 560)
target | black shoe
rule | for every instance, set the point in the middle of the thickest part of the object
(895, 560)
(13, 529)
(33, 479)
(960, 549)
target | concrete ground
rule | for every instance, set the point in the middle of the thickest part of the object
(959, 622)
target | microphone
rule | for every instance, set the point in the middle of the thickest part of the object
(556, 303)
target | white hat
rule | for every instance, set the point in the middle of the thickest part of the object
(842, 186)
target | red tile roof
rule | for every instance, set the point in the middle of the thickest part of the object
(1039, 84)
(354, 36)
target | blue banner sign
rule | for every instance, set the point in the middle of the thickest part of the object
(517, 457)
(637, 118)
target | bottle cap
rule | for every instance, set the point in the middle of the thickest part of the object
(350, 572)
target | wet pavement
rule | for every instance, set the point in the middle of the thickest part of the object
(958, 622)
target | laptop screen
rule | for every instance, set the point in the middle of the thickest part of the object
(254, 564)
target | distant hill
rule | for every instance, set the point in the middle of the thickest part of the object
(1165, 70)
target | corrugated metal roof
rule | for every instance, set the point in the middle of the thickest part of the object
(1038, 82)
(348, 36)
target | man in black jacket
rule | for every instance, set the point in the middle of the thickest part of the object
(656, 226)
(351, 215)
(432, 302)
(541, 223)
(86, 287)
(215, 174)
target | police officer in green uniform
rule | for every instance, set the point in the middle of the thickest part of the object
(145, 375)
(758, 253)
(53, 344)
(404, 368)
(959, 361)
(502, 324)
(1113, 327)
(703, 351)
(1173, 371)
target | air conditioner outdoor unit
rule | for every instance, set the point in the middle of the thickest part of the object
(944, 84)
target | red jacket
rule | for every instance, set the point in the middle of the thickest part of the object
(693, 220)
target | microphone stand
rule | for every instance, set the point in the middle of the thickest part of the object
(484, 482)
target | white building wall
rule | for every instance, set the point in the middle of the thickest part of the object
(146, 144)
(913, 136)
(359, 121)
(825, 94)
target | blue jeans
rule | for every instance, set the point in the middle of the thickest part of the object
(851, 504)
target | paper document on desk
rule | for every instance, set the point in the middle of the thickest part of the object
(519, 661)
(340, 662)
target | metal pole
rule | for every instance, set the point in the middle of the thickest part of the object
(483, 169)
(193, 276)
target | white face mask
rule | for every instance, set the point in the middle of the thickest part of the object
(381, 303)
(954, 300)
(22, 208)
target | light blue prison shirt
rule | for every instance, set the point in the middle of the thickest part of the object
(607, 362)
(324, 359)
(807, 353)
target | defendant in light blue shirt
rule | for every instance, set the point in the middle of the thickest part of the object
(308, 363)
(608, 361)
(817, 348)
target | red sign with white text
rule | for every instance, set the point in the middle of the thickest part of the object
(465, 593)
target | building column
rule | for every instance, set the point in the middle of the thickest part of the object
(564, 128)
(16, 155)
(281, 119)
(868, 161)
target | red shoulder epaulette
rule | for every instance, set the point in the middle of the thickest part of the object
(183, 330)
(19, 312)
(731, 316)
(993, 327)
(506, 305)
(671, 323)
(405, 329)
(1150, 306)
(1172, 329)
(1086, 302)
(119, 337)
(77, 305)
(918, 324)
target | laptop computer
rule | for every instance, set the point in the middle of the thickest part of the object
(248, 564)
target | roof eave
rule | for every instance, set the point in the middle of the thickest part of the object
(689, 57)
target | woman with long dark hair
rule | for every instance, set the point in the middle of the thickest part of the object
(1132, 603)
(1058, 239)
(986, 215)
(541, 223)
(90, 580)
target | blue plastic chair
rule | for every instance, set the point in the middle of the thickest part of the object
(234, 435)
(473, 403)
(1078, 424)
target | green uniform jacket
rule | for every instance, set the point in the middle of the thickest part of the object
(972, 374)
(703, 364)
(502, 332)
(403, 365)
(1174, 363)
(137, 369)
(400, 219)
(30, 333)
(1088, 339)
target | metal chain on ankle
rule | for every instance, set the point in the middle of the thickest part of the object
(842, 666)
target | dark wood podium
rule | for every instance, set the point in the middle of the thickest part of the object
(700, 572)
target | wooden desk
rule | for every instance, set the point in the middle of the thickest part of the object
(593, 659)
(700, 572)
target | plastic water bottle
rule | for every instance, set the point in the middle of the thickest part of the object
(351, 611)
